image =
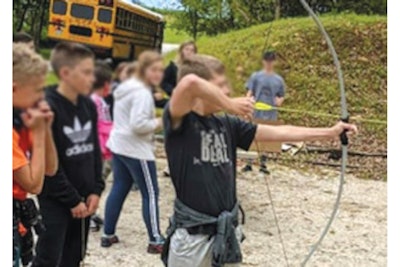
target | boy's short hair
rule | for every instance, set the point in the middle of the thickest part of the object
(203, 66)
(68, 54)
(102, 74)
(27, 63)
(269, 56)
(22, 37)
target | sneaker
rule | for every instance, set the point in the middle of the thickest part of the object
(107, 242)
(157, 246)
(97, 219)
(247, 168)
(94, 227)
(264, 169)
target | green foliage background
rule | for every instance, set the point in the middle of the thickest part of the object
(211, 17)
(310, 75)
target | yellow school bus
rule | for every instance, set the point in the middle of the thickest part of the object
(112, 28)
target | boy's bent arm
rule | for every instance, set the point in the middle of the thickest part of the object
(192, 87)
(289, 133)
(51, 154)
(30, 177)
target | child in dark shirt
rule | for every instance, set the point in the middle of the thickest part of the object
(72, 196)
(201, 149)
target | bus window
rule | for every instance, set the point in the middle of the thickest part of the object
(118, 22)
(82, 11)
(128, 21)
(59, 7)
(104, 15)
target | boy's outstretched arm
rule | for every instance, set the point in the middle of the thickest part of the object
(192, 87)
(289, 133)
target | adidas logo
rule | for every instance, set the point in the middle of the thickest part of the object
(79, 149)
(78, 134)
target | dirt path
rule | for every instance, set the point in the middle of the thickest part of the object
(303, 202)
(166, 48)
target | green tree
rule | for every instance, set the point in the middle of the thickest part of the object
(211, 17)
(31, 16)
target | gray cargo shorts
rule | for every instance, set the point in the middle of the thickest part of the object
(193, 250)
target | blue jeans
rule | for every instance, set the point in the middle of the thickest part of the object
(126, 171)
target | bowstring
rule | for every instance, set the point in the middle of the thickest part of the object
(284, 251)
(276, 220)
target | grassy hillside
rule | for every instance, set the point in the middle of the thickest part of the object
(308, 70)
(306, 64)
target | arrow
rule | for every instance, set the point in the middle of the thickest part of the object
(266, 107)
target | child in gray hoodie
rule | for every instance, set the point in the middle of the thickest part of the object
(132, 144)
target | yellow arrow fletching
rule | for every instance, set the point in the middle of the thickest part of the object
(262, 106)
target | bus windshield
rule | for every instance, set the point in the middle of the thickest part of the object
(104, 15)
(59, 7)
(82, 11)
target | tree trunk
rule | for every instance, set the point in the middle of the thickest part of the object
(22, 19)
(42, 19)
(194, 22)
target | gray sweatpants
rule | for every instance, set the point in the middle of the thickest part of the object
(193, 250)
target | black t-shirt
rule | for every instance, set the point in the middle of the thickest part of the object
(202, 159)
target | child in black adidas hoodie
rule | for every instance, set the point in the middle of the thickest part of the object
(67, 202)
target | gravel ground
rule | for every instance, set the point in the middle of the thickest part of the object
(303, 201)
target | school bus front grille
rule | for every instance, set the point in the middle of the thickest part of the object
(78, 30)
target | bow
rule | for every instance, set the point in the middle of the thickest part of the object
(343, 136)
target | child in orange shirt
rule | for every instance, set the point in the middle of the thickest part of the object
(34, 153)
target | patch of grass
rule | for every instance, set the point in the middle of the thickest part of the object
(172, 36)
(306, 65)
(51, 78)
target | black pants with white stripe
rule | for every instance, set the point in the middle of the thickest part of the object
(127, 170)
